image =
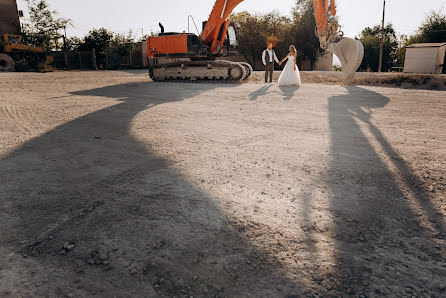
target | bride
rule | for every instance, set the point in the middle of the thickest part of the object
(290, 75)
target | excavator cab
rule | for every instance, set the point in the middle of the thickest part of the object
(232, 36)
(219, 38)
(231, 41)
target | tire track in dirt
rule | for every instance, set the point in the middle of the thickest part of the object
(23, 120)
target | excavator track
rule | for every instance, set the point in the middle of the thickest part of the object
(217, 71)
(249, 70)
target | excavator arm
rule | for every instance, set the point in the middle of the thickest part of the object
(349, 51)
(321, 14)
(202, 50)
(214, 32)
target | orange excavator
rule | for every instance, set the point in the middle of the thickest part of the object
(195, 57)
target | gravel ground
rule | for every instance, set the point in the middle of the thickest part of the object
(115, 186)
(388, 79)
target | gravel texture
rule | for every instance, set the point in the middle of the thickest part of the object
(115, 186)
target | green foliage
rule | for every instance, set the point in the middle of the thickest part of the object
(43, 28)
(432, 30)
(255, 29)
(98, 39)
(123, 44)
(73, 43)
(102, 39)
(337, 68)
(31, 61)
(371, 39)
(303, 29)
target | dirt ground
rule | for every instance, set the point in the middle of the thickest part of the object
(114, 186)
(388, 79)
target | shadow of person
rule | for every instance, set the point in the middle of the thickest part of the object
(97, 212)
(288, 91)
(259, 92)
(383, 243)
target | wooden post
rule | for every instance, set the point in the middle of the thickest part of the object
(93, 58)
(143, 52)
(80, 60)
(106, 59)
(66, 58)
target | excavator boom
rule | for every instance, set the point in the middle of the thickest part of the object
(349, 51)
(202, 50)
(214, 32)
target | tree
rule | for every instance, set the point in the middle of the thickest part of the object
(297, 30)
(255, 30)
(73, 43)
(277, 30)
(432, 30)
(123, 44)
(102, 39)
(371, 39)
(43, 28)
(98, 39)
(303, 30)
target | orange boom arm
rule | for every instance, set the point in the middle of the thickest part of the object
(321, 15)
(214, 33)
(219, 38)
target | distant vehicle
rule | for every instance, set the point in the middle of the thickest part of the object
(12, 50)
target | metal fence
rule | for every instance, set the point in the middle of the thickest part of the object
(109, 59)
(74, 60)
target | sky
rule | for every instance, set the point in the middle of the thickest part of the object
(142, 16)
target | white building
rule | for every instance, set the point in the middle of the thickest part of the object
(425, 58)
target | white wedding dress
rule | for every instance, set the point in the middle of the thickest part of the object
(289, 76)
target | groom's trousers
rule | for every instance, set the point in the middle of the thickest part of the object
(269, 69)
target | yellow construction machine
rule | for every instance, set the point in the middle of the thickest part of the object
(14, 55)
(13, 51)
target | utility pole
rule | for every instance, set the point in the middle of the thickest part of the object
(142, 32)
(381, 48)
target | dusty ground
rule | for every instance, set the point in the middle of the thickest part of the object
(115, 186)
(388, 79)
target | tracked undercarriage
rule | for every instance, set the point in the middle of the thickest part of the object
(201, 71)
(218, 38)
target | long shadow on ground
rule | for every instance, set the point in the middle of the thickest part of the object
(95, 212)
(389, 237)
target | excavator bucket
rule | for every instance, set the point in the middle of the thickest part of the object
(350, 52)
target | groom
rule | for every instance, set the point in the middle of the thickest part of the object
(268, 58)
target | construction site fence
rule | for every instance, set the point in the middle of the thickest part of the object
(108, 59)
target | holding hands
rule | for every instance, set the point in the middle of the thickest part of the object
(290, 74)
(292, 53)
